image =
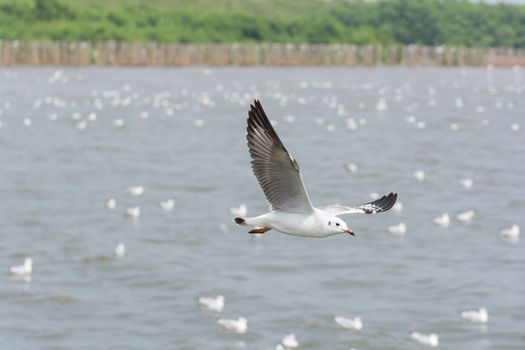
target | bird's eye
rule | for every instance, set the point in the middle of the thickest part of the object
(329, 223)
(336, 224)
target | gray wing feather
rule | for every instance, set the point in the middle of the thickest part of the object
(380, 205)
(277, 172)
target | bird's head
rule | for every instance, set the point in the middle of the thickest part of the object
(334, 225)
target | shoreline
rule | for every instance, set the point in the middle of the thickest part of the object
(32, 53)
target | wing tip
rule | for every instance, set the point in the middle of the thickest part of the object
(383, 204)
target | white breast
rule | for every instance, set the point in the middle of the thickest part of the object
(310, 225)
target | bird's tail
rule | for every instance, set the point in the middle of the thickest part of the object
(240, 221)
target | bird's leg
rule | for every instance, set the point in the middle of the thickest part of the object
(260, 230)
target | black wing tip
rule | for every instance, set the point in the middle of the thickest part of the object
(384, 203)
(256, 106)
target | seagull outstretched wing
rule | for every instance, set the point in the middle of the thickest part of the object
(277, 172)
(380, 205)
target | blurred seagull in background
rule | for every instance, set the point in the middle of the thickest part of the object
(278, 174)
(476, 316)
(23, 270)
(443, 220)
(466, 216)
(512, 233)
(430, 339)
(135, 190)
(168, 204)
(120, 250)
(239, 325)
(111, 203)
(214, 304)
(397, 207)
(398, 230)
(467, 183)
(133, 212)
(240, 211)
(419, 175)
(290, 342)
(349, 323)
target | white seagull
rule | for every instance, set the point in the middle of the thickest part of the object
(349, 323)
(476, 316)
(512, 233)
(120, 250)
(426, 339)
(239, 325)
(23, 270)
(135, 190)
(443, 220)
(214, 304)
(290, 342)
(291, 211)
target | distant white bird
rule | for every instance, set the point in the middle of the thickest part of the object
(278, 174)
(118, 123)
(381, 105)
(374, 195)
(410, 119)
(454, 127)
(466, 216)
(515, 127)
(135, 190)
(289, 119)
(167, 204)
(398, 230)
(349, 323)
(443, 220)
(214, 304)
(419, 175)
(351, 167)
(23, 270)
(120, 250)
(290, 342)
(397, 207)
(240, 211)
(476, 316)
(27, 122)
(76, 116)
(351, 124)
(198, 123)
(133, 212)
(467, 183)
(111, 203)
(512, 233)
(81, 125)
(426, 339)
(239, 325)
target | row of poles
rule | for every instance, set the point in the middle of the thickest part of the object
(172, 54)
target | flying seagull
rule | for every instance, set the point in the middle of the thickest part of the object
(278, 174)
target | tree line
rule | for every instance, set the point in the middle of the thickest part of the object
(423, 22)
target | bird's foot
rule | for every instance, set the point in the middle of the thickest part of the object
(260, 230)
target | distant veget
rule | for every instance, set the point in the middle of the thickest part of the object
(278, 174)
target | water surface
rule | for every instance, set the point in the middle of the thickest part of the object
(56, 176)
